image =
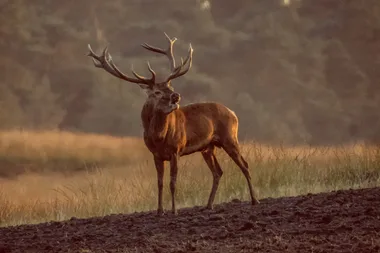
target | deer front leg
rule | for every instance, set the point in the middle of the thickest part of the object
(173, 179)
(160, 165)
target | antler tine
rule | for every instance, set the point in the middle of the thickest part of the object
(91, 52)
(152, 72)
(152, 79)
(105, 62)
(152, 48)
(178, 70)
(168, 52)
(100, 61)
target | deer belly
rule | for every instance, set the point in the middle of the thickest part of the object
(199, 135)
(195, 147)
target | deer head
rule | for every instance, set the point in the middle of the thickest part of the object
(161, 94)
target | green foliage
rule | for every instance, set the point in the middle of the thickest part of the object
(304, 72)
(113, 108)
(39, 105)
(27, 100)
(10, 112)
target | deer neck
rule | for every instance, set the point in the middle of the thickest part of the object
(156, 124)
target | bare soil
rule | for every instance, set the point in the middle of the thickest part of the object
(341, 221)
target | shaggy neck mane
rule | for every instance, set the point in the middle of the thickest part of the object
(155, 123)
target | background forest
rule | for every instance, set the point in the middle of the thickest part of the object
(295, 72)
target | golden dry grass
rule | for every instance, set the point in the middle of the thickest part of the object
(49, 151)
(104, 174)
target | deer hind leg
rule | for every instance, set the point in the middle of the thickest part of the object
(212, 163)
(232, 149)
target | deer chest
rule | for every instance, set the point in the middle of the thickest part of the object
(160, 147)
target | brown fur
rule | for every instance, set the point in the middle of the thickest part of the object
(189, 129)
(193, 128)
(171, 131)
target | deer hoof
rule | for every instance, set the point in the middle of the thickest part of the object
(160, 212)
(255, 202)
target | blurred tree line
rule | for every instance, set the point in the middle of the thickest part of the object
(294, 71)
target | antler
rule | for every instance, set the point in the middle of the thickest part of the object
(105, 62)
(175, 71)
(178, 70)
(168, 52)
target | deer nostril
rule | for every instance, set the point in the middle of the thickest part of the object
(175, 97)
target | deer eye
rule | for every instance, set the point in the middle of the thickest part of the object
(157, 93)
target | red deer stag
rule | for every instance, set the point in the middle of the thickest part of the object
(171, 131)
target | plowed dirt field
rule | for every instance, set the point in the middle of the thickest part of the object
(342, 221)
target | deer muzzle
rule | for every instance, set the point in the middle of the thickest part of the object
(175, 98)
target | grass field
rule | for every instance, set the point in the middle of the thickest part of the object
(56, 175)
